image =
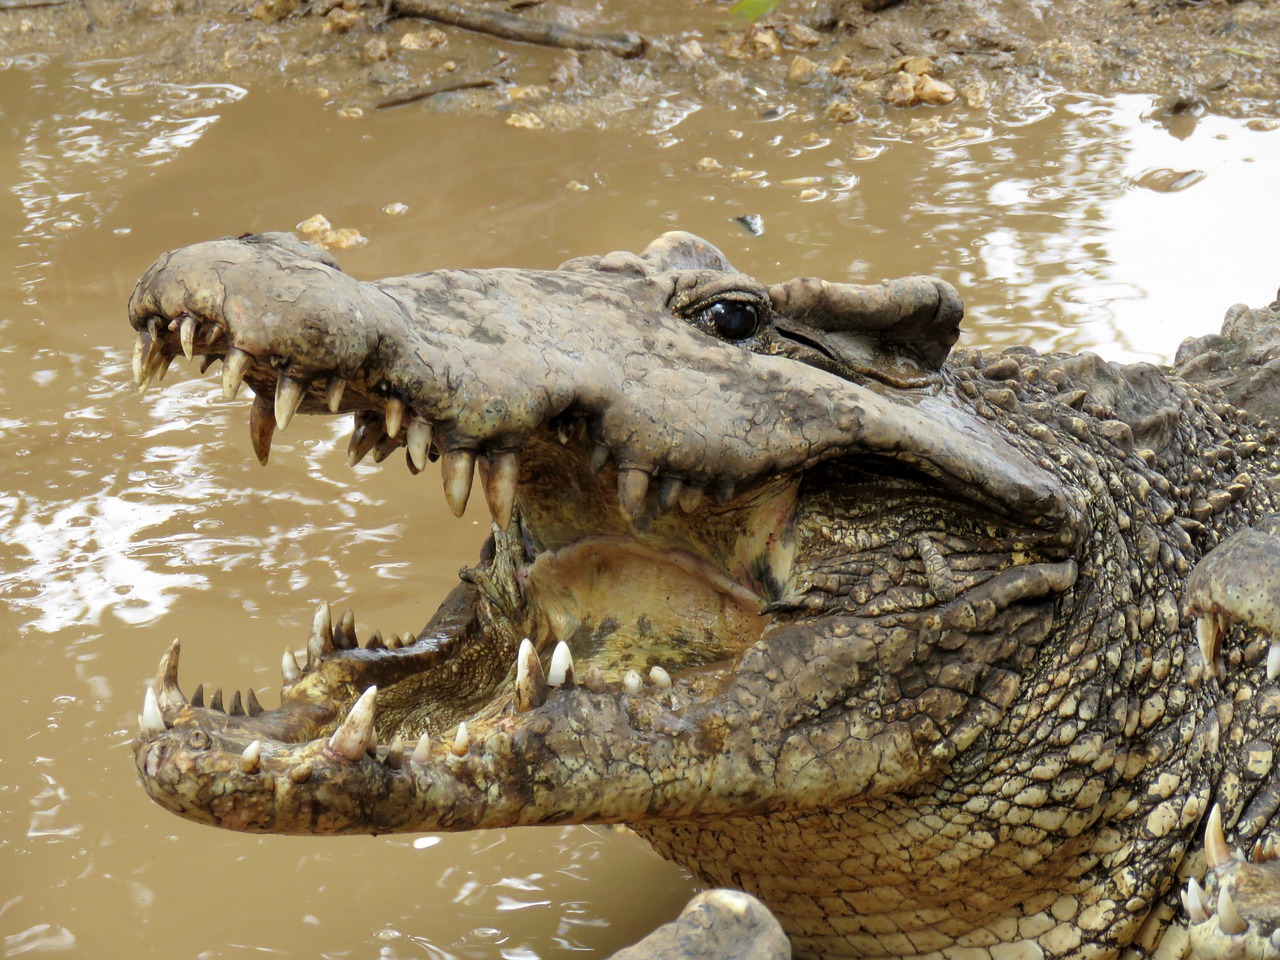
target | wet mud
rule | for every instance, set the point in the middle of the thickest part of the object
(1081, 195)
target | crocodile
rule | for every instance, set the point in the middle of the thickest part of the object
(936, 652)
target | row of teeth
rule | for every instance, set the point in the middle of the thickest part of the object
(1194, 898)
(355, 736)
(396, 426)
(1210, 628)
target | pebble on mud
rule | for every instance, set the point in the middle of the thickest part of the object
(908, 89)
(708, 165)
(525, 121)
(424, 40)
(375, 49)
(689, 53)
(340, 20)
(317, 229)
(273, 11)
(396, 209)
(801, 69)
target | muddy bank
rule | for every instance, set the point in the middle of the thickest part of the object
(837, 61)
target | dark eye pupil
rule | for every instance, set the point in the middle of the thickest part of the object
(734, 320)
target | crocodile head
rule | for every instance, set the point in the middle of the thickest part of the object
(754, 548)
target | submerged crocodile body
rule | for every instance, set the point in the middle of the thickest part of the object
(890, 637)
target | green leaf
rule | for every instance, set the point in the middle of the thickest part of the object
(754, 9)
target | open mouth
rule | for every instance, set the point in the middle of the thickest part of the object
(661, 562)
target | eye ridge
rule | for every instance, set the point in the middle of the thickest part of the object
(734, 320)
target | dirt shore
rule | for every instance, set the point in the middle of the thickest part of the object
(838, 61)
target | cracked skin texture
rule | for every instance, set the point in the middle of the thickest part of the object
(924, 682)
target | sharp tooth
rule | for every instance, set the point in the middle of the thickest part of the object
(395, 413)
(167, 679)
(690, 499)
(233, 368)
(215, 702)
(197, 698)
(320, 638)
(251, 704)
(599, 457)
(500, 487)
(1273, 661)
(669, 489)
(632, 682)
(1193, 902)
(375, 641)
(1215, 842)
(237, 708)
(418, 437)
(393, 642)
(564, 430)
(422, 751)
(152, 719)
(290, 672)
(187, 335)
(288, 398)
(593, 679)
(251, 759)
(632, 487)
(333, 393)
(395, 754)
(461, 742)
(660, 678)
(531, 684)
(344, 635)
(139, 351)
(355, 736)
(384, 448)
(722, 493)
(262, 424)
(1208, 637)
(456, 467)
(301, 773)
(365, 435)
(560, 673)
(1228, 917)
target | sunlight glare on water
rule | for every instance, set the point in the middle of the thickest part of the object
(126, 522)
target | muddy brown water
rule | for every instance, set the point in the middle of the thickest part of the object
(127, 521)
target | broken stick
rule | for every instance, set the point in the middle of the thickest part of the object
(511, 26)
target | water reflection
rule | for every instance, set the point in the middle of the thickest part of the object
(127, 522)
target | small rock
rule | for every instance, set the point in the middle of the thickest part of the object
(976, 92)
(753, 223)
(925, 127)
(577, 186)
(708, 165)
(273, 11)
(765, 42)
(801, 35)
(689, 53)
(314, 227)
(345, 239)
(527, 92)
(801, 69)
(929, 90)
(902, 91)
(340, 20)
(1263, 124)
(525, 121)
(811, 194)
(842, 111)
(424, 40)
(842, 67)
(396, 209)
(567, 70)
(351, 113)
(376, 49)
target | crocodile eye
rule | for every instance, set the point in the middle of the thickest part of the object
(733, 319)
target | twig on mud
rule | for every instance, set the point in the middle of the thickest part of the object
(413, 96)
(509, 26)
(28, 4)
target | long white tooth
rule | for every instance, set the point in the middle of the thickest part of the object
(187, 336)
(152, 720)
(395, 414)
(560, 672)
(632, 682)
(250, 760)
(660, 678)
(139, 351)
(1273, 661)
(395, 754)
(1216, 851)
(632, 486)
(1193, 902)
(457, 467)
(418, 437)
(320, 639)
(289, 669)
(355, 736)
(1229, 919)
(461, 741)
(500, 487)
(1208, 635)
(422, 751)
(288, 398)
(333, 393)
(531, 683)
(233, 369)
(262, 427)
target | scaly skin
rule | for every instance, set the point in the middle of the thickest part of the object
(891, 640)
